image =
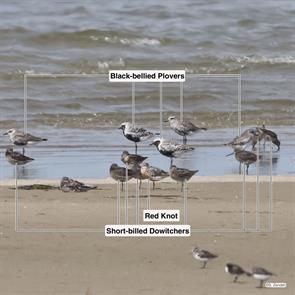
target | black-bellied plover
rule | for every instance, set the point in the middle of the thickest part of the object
(131, 160)
(170, 149)
(119, 173)
(135, 134)
(203, 256)
(261, 274)
(19, 138)
(16, 158)
(235, 270)
(181, 174)
(70, 185)
(153, 173)
(183, 128)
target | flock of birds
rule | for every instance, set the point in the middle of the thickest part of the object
(135, 167)
(258, 273)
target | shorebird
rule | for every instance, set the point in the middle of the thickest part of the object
(16, 158)
(203, 255)
(70, 185)
(183, 128)
(135, 134)
(170, 149)
(235, 270)
(181, 174)
(244, 157)
(119, 173)
(261, 274)
(153, 173)
(131, 160)
(248, 136)
(269, 135)
(19, 138)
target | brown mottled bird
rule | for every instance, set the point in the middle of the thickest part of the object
(181, 174)
(70, 185)
(16, 158)
(131, 160)
(153, 173)
(245, 157)
(119, 173)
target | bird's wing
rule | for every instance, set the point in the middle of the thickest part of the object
(19, 157)
(30, 137)
(19, 140)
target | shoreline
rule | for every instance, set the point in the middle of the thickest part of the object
(194, 179)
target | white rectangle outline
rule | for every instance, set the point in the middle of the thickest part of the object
(160, 211)
(146, 226)
(170, 80)
(88, 230)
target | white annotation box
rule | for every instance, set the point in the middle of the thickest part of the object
(141, 230)
(161, 215)
(147, 76)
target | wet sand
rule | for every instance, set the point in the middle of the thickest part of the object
(89, 263)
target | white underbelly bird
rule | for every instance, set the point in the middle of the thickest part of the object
(183, 128)
(19, 138)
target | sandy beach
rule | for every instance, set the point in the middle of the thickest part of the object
(88, 263)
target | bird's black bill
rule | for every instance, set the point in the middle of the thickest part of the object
(230, 154)
(5, 133)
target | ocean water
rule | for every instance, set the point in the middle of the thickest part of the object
(80, 115)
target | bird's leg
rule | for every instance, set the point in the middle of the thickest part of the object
(182, 186)
(240, 168)
(247, 169)
(135, 148)
(171, 162)
(204, 264)
(261, 284)
(235, 278)
(122, 185)
(139, 183)
(23, 151)
(184, 139)
(153, 185)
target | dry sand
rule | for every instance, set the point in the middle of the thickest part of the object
(89, 263)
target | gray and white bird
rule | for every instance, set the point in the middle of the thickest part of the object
(131, 160)
(119, 173)
(153, 173)
(236, 271)
(203, 256)
(170, 149)
(261, 274)
(181, 174)
(135, 134)
(70, 185)
(249, 136)
(16, 158)
(19, 138)
(183, 128)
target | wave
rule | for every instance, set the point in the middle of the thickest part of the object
(93, 37)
